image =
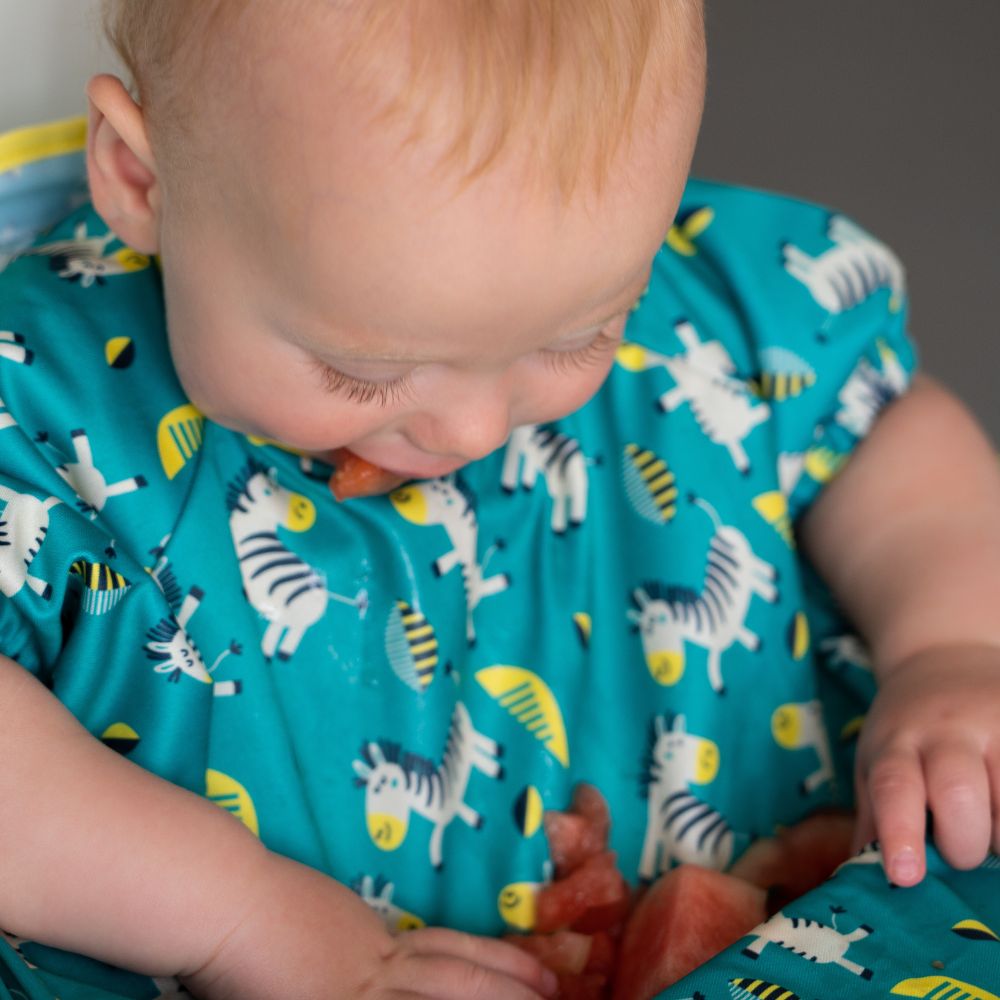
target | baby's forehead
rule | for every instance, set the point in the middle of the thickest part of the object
(477, 76)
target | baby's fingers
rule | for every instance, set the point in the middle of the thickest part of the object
(489, 954)
(958, 790)
(444, 977)
(898, 799)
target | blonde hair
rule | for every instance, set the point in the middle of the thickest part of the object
(570, 69)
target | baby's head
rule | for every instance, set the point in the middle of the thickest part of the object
(403, 228)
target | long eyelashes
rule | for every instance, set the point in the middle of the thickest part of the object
(393, 391)
(595, 351)
(362, 390)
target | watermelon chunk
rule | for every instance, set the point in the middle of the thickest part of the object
(591, 805)
(798, 858)
(572, 840)
(586, 986)
(354, 477)
(595, 889)
(687, 916)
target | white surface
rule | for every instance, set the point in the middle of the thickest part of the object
(48, 51)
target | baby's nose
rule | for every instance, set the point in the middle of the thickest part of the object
(470, 425)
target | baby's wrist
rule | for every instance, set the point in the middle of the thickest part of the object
(985, 651)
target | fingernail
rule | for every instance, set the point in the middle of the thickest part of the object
(904, 869)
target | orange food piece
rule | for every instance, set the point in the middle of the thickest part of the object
(354, 477)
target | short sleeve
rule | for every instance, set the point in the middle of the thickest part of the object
(815, 320)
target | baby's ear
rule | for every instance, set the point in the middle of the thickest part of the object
(123, 181)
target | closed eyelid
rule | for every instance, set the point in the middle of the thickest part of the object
(384, 392)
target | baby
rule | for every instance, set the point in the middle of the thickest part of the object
(433, 233)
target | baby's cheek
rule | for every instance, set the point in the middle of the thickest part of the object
(550, 395)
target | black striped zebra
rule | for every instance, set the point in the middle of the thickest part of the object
(448, 502)
(536, 449)
(811, 940)
(283, 588)
(853, 269)
(680, 827)
(667, 617)
(399, 783)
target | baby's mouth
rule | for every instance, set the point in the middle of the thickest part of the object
(354, 476)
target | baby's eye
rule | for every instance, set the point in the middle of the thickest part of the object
(597, 350)
(359, 390)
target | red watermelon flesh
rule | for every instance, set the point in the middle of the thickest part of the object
(799, 858)
(585, 986)
(685, 918)
(595, 889)
(591, 805)
(572, 840)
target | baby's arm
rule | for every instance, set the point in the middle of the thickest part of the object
(908, 537)
(104, 858)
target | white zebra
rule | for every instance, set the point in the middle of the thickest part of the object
(22, 533)
(854, 268)
(667, 616)
(281, 587)
(398, 783)
(447, 503)
(558, 458)
(798, 725)
(377, 893)
(723, 406)
(84, 259)
(870, 854)
(847, 649)
(12, 348)
(680, 827)
(88, 482)
(6, 417)
(867, 391)
(174, 651)
(810, 940)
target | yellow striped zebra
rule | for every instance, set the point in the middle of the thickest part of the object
(411, 645)
(398, 783)
(103, 587)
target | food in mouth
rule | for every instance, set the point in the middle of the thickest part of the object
(353, 477)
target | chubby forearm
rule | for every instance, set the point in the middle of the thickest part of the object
(104, 858)
(908, 535)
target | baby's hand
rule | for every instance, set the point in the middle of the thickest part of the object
(308, 937)
(932, 741)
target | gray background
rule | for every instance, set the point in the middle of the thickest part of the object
(888, 110)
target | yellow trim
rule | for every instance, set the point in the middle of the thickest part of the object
(41, 142)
